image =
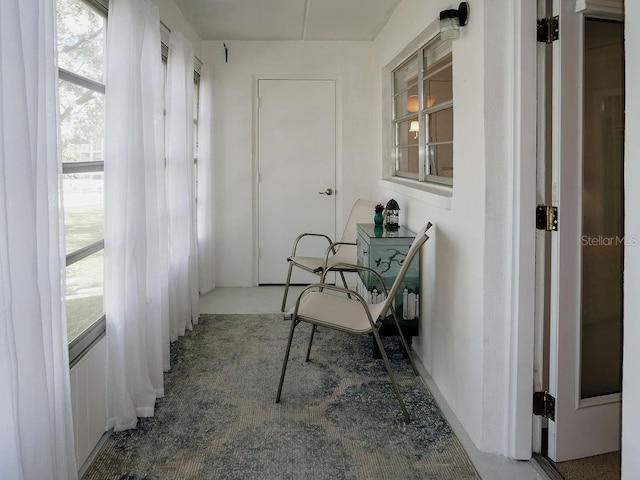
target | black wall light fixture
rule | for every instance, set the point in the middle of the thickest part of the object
(451, 20)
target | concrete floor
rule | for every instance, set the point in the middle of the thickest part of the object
(268, 300)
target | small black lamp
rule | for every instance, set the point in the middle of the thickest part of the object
(392, 214)
(451, 20)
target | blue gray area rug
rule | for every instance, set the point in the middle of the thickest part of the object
(337, 419)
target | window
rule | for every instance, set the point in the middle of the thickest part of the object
(81, 35)
(81, 45)
(196, 106)
(196, 111)
(423, 115)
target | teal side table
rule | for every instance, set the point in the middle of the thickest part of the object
(384, 251)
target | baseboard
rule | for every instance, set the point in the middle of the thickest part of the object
(94, 453)
(545, 467)
(489, 466)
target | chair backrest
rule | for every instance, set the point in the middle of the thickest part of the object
(362, 212)
(417, 243)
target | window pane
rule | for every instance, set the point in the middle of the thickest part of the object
(438, 87)
(196, 100)
(81, 39)
(441, 160)
(81, 123)
(196, 105)
(603, 241)
(406, 76)
(407, 161)
(407, 132)
(436, 56)
(83, 209)
(406, 102)
(440, 126)
(85, 292)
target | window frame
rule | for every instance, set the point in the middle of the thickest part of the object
(95, 329)
(425, 172)
(196, 114)
(397, 121)
(197, 65)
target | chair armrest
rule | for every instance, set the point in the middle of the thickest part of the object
(302, 235)
(345, 266)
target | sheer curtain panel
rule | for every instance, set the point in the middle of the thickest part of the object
(205, 184)
(136, 260)
(183, 260)
(36, 434)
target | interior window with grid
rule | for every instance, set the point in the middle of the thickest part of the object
(423, 115)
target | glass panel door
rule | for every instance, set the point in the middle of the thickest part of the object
(586, 176)
(603, 239)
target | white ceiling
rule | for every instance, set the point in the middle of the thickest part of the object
(287, 19)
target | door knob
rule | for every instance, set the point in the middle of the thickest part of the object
(328, 191)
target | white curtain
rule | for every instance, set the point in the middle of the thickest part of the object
(183, 261)
(136, 260)
(205, 183)
(36, 432)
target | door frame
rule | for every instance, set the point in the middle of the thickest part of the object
(523, 151)
(256, 161)
(547, 195)
(542, 251)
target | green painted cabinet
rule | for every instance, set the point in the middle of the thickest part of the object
(384, 251)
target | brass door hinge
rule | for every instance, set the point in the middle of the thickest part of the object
(548, 29)
(544, 404)
(547, 218)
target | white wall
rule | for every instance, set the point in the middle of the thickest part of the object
(630, 376)
(466, 264)
(89, 400)
(233, 134)
(172, 17)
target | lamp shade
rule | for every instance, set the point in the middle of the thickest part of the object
(412, 104)
(449, 28)
(451, 20)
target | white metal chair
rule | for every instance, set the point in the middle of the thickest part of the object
(346, 311)
(341, 252)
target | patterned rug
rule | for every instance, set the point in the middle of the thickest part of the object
(337, 419)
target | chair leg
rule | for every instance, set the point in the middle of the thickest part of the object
(286, 287)
(294, 322)
(396, 389)
(344, 280)
(313, 331)
(404, 342)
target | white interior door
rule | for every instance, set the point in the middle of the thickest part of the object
(296, 161)
(587, 250)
